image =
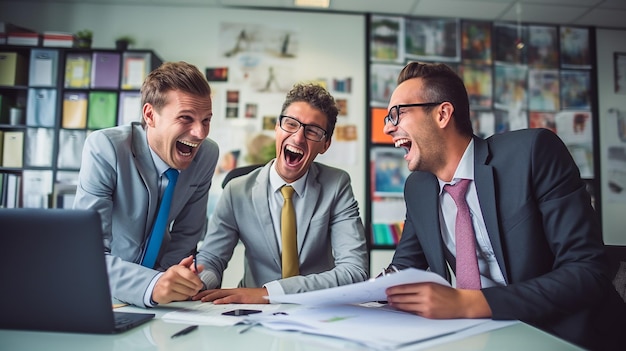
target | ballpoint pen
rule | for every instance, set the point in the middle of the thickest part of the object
(185, 331)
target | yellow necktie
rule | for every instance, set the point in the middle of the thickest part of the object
(288, 234)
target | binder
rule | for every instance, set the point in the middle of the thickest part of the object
(12, 69)
(74, 110)
(37, 186)
(38, 147)
(43, 67)
(136, 68)
(77, 70)
(102, 110)
(12, 190)
(105, 72)
(71, 144)
(130, 107)
(41, 107)
(13, 148)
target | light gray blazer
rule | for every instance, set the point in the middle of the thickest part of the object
(119, 179)
(331, 240)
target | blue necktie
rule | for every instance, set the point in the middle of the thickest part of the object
(158, 229)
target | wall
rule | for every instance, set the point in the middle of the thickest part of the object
(330, 46)
(190, 33)
(613, 206)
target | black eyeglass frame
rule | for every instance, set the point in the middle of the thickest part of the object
(388, 118)
(302, 125)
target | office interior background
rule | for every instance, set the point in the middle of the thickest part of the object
(331, 46)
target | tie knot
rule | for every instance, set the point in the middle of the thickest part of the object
(458, 190)
(287, 191)
(172, 175)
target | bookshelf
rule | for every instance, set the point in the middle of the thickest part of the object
(50, 100)
(518, 75)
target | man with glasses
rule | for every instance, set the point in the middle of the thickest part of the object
(535, 246)
(329, 243)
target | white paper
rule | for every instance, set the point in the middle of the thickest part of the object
(376, 327)
(370, 290)
(206, 313)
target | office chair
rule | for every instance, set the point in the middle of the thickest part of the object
(617, 260)
(239, 171)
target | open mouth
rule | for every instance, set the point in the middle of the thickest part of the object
(403, 143)
(185, 147)
(293, 155)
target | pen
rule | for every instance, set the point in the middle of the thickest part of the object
(195, 261)
(185, 331)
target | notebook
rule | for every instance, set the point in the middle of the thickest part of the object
(54, 275)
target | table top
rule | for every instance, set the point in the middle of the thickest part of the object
(156, 335)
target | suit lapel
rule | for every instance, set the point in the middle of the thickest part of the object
(485, 187)
(311, 194)
(145, 166)
(261, 207)
(428, 214)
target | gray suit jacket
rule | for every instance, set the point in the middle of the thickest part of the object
(118, 178)
(544, 232)
(331, 240)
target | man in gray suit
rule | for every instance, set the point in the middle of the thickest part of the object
(536, 240)
(331, 247)
(122, 177)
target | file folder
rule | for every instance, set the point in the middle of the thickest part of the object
(13, 149)
(43, 67)
(77, 70)
(102, 111)
(74, 110)
(130, 107)
(71, 144)
(12, 69)
(136, 68)
(41, 107)
(38, 147)
(105, 72)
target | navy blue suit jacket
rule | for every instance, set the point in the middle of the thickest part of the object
(544, 232)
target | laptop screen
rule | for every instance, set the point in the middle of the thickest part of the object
(54, 273)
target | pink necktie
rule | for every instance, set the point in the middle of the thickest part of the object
(467, 275)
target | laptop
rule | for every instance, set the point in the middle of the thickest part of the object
(54, 275)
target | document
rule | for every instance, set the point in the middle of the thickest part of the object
(380, 328)
(370, 290)
(206, 313)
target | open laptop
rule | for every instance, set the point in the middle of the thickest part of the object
(53, 273)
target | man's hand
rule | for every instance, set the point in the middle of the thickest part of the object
(436, 301)
(178, 283)
(238, 295)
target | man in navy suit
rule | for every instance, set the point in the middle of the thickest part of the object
(538, 241)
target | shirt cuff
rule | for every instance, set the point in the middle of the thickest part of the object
(209, 279)
(274, 289)
(147, 296)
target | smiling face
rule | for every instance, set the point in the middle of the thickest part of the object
(417, 131)
(177, 130)
(295, 153)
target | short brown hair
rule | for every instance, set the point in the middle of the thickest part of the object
(169, 76)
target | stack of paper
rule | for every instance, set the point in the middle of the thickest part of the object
(374, 327)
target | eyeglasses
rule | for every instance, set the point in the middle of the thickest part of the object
(292, 125)
(394, 112)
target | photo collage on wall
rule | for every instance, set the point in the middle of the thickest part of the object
(517, 76)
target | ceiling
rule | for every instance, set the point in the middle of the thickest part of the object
(598, 13)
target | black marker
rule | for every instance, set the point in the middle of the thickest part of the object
(185, 331)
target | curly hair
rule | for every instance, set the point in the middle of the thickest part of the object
(319, 98)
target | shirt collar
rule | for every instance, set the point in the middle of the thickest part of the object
(276, 182)
(160, 165)
(465, 169)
